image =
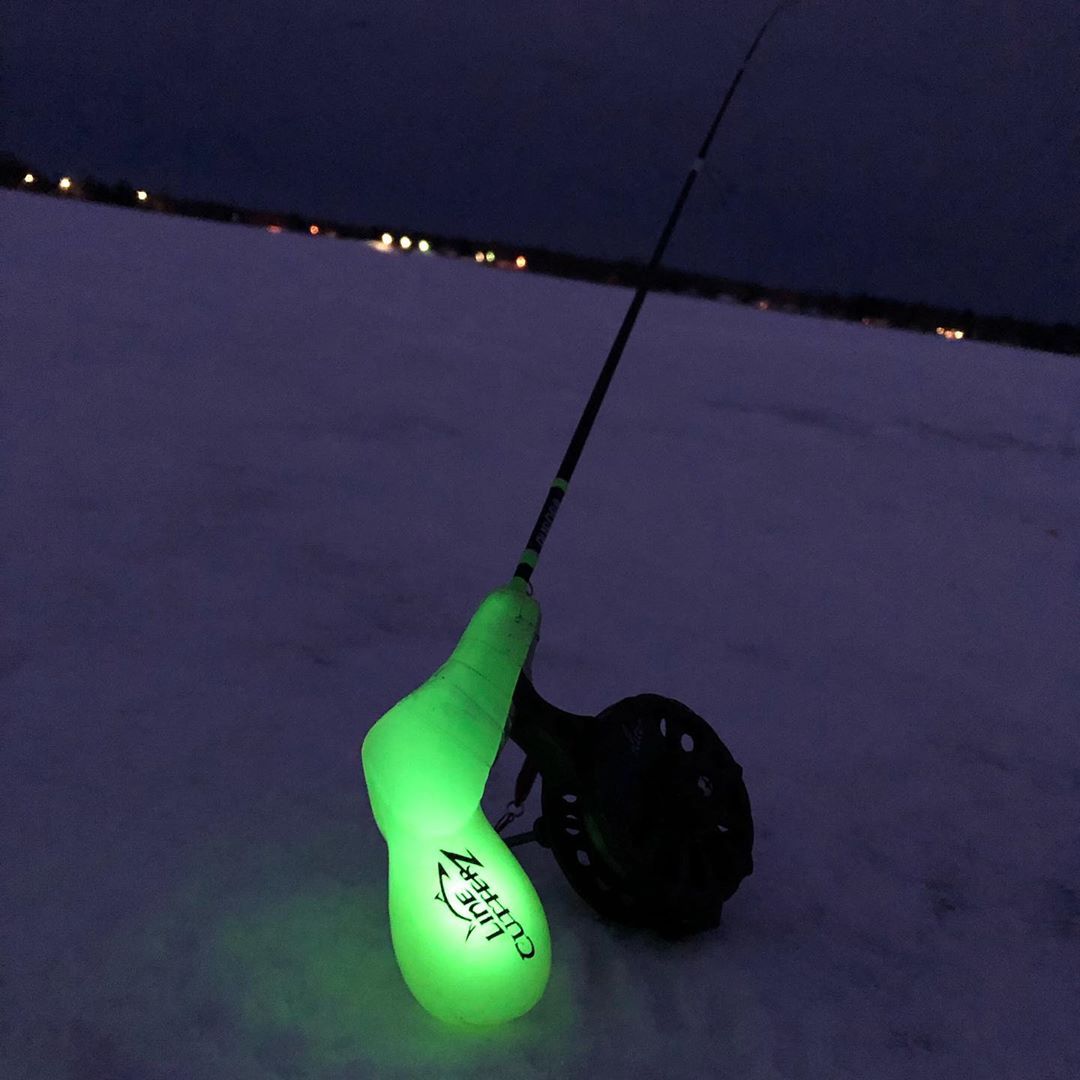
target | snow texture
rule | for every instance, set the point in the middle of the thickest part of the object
(254, 486)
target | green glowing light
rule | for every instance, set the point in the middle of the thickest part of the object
(468, 928)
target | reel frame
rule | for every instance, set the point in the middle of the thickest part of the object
(643, 807)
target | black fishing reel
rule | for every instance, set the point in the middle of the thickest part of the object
(643, 807)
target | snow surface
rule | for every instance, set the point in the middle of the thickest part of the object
(253, 488)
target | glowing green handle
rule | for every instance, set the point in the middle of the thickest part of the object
(469, 931)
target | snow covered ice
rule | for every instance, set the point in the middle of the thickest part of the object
(253, 487)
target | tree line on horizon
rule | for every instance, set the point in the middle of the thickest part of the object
(868, 310)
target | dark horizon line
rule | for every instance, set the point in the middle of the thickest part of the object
(872, 311)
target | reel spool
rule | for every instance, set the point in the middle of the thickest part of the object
(643, 807)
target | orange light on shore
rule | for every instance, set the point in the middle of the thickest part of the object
(479, 256)
(65, 183)
(521, 262)
(949, 334)
(314, 230)
(275, 229)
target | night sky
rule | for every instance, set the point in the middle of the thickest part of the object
(919, 150)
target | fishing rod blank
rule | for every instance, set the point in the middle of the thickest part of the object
(531, 555)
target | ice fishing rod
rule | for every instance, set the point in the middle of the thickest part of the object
(643, 806)
(531, 555)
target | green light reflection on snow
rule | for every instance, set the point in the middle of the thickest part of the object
(259, 964)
